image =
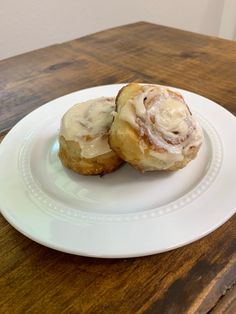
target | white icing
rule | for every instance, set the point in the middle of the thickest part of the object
(88, 124)
(95, 147)
(163, 116)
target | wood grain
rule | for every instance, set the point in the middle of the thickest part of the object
(145, 53)
(193, 279)
(227, 304)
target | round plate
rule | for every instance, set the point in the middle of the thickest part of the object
(125, 213)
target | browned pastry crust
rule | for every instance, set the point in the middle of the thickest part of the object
(70, 156)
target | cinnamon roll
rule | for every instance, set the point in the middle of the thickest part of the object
(153, 128)
(83, 138)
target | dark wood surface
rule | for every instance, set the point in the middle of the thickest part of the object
(197, 278)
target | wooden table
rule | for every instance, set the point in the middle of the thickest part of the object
(197, 278)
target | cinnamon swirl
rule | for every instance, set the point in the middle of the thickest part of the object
(83, 137)
(154, 129)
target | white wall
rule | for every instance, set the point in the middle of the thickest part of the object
(30, 24)
(228, 20)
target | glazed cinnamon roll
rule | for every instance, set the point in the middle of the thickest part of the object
(153, 128)
(83, 138)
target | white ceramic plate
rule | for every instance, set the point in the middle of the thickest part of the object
(123, 214)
